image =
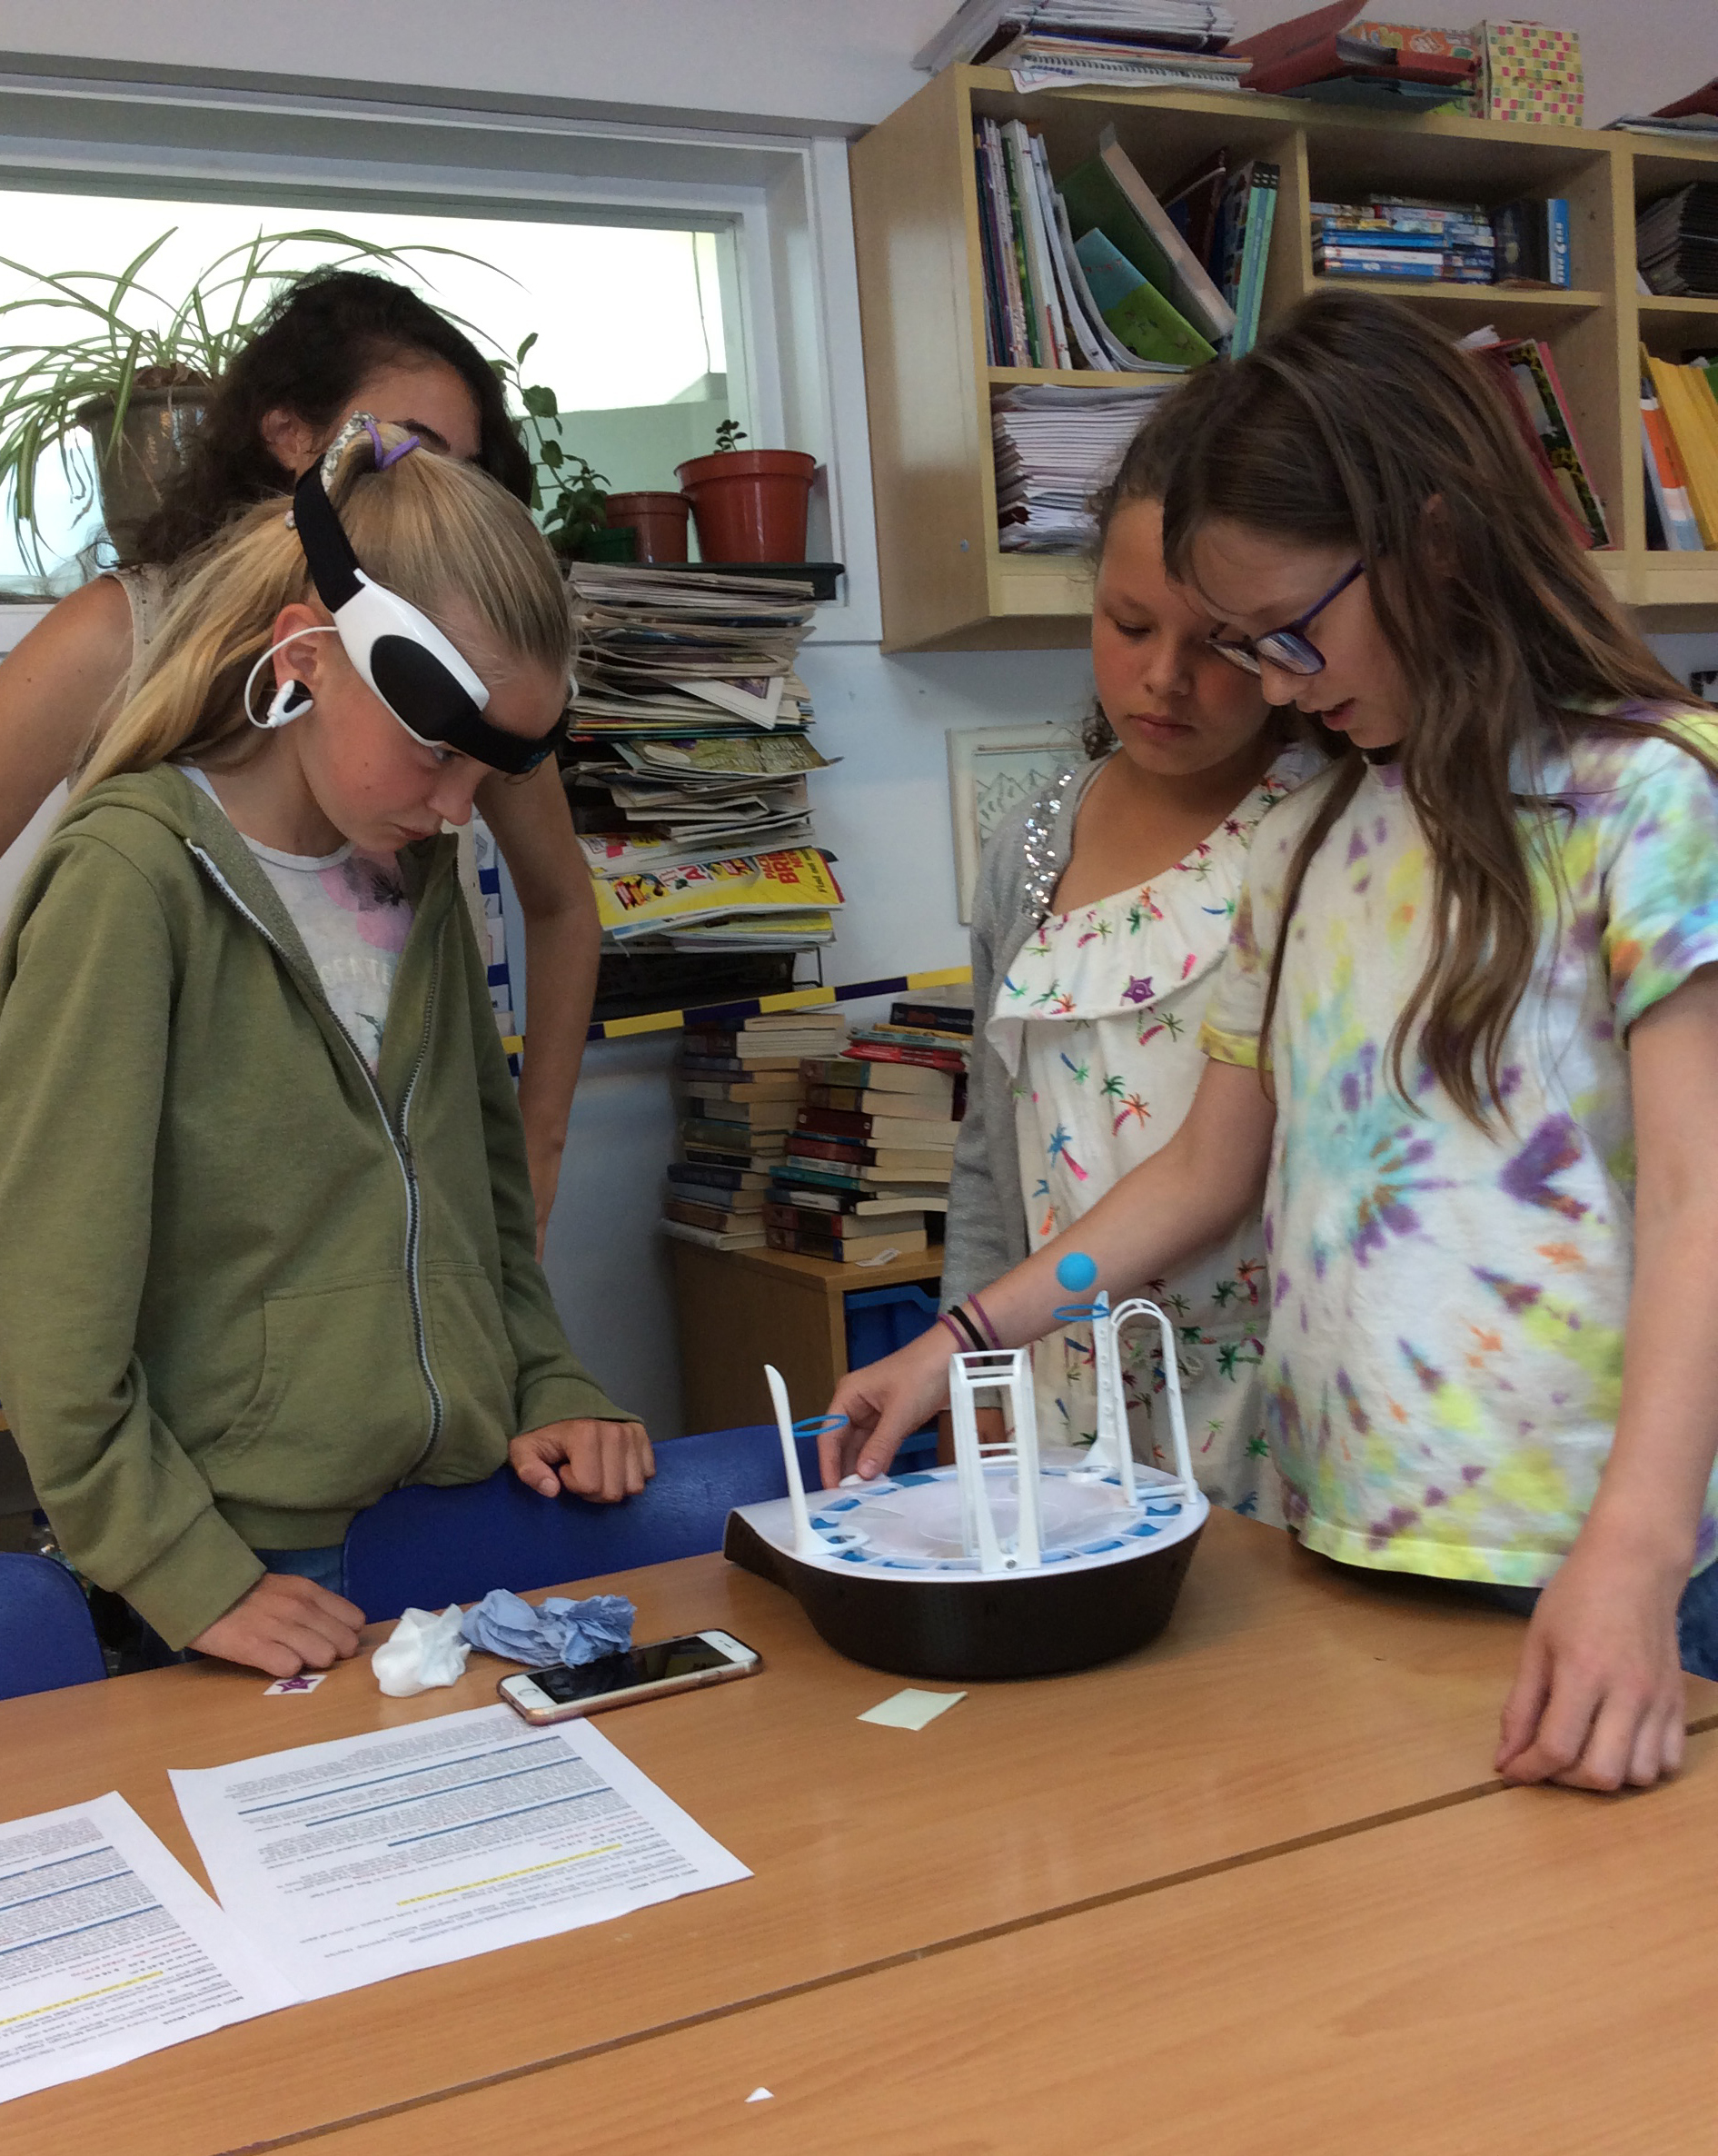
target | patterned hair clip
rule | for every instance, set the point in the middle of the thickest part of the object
(363, 423)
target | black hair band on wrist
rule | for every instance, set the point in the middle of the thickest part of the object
(980, 1346)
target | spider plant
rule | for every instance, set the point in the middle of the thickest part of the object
(134, 339)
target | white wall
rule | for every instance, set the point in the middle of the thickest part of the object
(783, 63)
(797, 62)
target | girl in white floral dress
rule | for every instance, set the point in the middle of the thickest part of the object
(1102, 917)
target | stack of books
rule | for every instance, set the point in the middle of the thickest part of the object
(1676, 241)
(739, 1098)
(1092, 272)
(1131, 44)
(1332, 57)
(865, 1171)
(1526, 373)
(1397, 235)
(1679, 430)
(1054, 448)
(688, 760)
(867, 1163)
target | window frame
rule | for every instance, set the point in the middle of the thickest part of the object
(791, 316)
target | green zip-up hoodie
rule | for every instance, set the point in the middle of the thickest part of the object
(244, 1288)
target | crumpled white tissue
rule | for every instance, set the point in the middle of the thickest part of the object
(423, 1650)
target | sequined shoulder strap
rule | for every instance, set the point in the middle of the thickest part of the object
(1043, 868)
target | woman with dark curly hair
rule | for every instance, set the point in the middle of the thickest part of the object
(334, 342)
(1099, 929)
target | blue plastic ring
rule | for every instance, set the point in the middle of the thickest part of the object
(820, 1426)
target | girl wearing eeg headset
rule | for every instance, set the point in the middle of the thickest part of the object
(269, 1246)
(1466, 1041)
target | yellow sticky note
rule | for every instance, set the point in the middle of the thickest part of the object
(912, 1709)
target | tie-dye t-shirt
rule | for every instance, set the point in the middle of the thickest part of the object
(1445, 1358)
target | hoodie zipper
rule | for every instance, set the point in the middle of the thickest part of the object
(399, 1140)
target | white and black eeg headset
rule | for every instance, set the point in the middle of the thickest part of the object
(399, 652)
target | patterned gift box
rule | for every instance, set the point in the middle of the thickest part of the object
(1532, 72)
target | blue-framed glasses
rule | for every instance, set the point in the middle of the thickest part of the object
(1287, 647)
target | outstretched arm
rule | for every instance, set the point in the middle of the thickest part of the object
(1599, 1699)
(1163, 1214)
(533, 829)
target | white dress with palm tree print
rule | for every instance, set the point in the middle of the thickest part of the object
(1097, 1018)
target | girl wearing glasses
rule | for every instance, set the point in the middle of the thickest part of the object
(269, 1243)
(1465, 1042)
(1101, 921)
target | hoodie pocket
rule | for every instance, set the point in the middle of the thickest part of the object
(340, 1410)
(475, 1370)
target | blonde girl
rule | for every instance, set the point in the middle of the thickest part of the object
(1465, 1042)
(270, 1239)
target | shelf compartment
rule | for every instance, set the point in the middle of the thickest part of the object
(947, 585)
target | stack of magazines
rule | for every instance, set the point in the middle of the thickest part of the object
(1676, 241)
(1055, 447)
(690, 759)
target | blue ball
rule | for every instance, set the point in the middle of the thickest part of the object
(1077, 1271)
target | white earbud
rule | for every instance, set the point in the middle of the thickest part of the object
(291, 700)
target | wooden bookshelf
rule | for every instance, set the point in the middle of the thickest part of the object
(947, 586)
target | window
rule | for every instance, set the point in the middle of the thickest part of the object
(773, 210)
(629, 321)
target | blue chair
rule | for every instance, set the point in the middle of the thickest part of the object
(421, 1548)
(46, 1637)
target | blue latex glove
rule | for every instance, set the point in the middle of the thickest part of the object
(554, 1630)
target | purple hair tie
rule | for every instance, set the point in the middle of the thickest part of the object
(384, 457)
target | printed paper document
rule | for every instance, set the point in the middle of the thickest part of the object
(110, 1949)
(372, 1855)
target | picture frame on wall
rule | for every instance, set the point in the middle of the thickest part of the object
(992, 771)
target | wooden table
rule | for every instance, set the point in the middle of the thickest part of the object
(1532, 1971)
(1286, 1705)
(739, 1309)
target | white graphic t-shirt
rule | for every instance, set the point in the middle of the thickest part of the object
(352, 913)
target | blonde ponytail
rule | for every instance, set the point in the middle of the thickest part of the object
(441, 534)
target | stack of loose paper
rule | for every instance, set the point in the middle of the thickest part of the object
(1055, 448)
(337, 1864)
(690, 759)
(364, 1858)
(112, 1950)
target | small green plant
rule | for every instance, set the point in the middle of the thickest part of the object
(730, 434)
(569, 500)
(137, 338)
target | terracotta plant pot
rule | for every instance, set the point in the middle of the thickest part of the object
(660, 520)
(750, 504)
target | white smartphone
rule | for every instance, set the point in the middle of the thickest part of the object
(561, 1694)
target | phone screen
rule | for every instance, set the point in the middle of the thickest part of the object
(637, 1666)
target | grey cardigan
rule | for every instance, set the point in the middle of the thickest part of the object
(1022, 863)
